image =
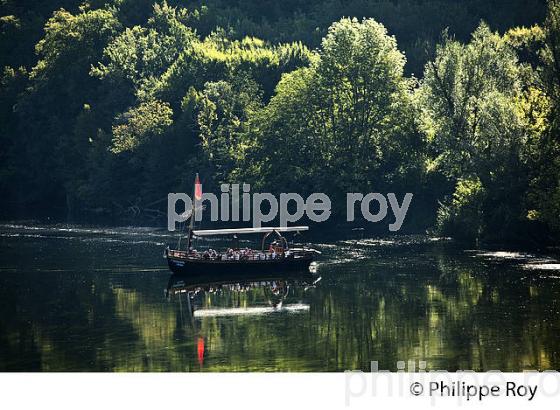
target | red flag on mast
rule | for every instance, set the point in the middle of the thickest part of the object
(197, 189)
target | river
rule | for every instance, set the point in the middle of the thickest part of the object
(79, 298)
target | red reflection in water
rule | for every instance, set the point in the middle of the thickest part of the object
(200, 350)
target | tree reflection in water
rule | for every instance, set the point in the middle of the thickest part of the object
(78, 310)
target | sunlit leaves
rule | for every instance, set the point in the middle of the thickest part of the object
(73, 39)
(467, 98)
(341, 118)
(223, 118)
(462, 216)
(140, 123)
(138, 53)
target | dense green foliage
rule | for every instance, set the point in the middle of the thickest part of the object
(123, 101)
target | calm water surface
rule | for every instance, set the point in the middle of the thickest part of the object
(92, 299)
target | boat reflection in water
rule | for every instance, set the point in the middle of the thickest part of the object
(274, 289)
(204, 297)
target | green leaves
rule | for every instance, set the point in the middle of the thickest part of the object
(486, 116)
(467, 98)
(134, 127)
(146, 93)
(136, 54)
(462, 216)
(73, 40)
(225, 109)
(337, 123)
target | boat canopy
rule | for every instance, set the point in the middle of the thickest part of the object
(238, 231)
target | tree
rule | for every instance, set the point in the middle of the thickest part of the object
(224, 110)
(342, 122)
(148, 120)
(140, 54)
(49, 153)
(544, 195)
(472, 99)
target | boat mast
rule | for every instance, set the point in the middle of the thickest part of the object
(193, 212)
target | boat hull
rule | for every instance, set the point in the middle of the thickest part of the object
(217, 267)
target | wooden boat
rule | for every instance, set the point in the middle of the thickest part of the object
(279, 257)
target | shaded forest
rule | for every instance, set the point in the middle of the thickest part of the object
(106, 106)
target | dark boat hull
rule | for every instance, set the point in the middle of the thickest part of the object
(216, 267)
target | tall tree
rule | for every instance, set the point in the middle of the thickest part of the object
(471, 100)
(49, 153)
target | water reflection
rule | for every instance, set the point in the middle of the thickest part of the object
(201, 299)
(79, 304)
(258, 294)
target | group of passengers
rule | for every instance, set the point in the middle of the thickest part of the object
(239, 254)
